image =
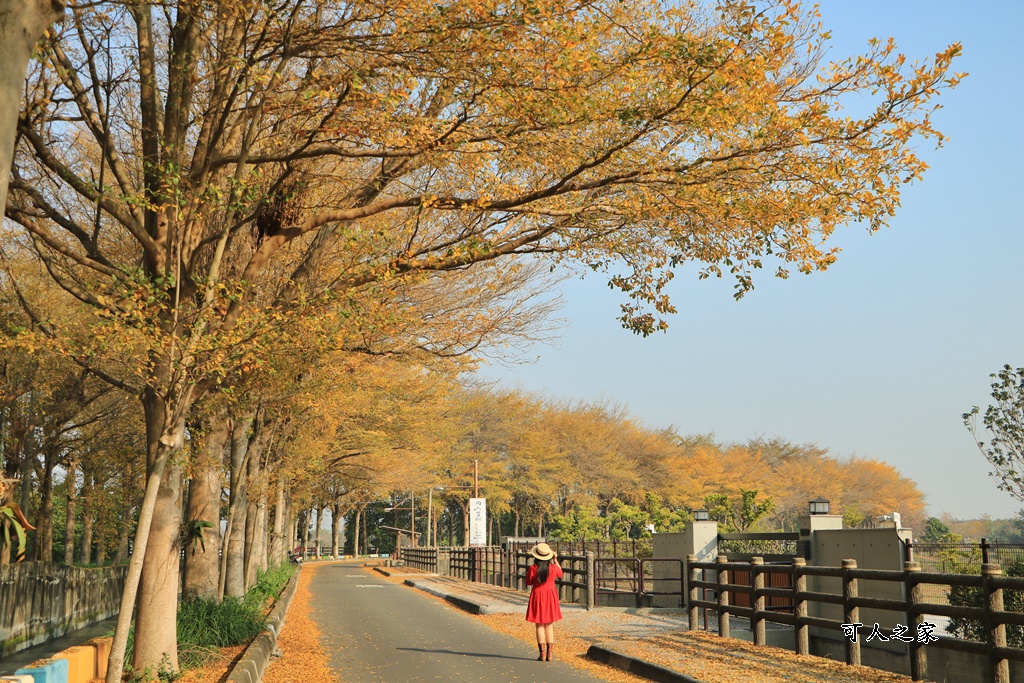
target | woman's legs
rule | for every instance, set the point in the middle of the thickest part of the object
(541, 635)
(549, 636)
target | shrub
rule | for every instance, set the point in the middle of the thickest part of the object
(972, 596)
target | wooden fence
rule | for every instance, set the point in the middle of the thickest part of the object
(914, 607)
(584, 576)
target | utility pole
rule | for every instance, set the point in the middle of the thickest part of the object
(476, 478)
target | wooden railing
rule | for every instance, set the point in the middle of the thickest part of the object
(913, 606)
(421, 558)
(583, 576)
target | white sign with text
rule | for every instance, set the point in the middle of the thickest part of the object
(477, 522)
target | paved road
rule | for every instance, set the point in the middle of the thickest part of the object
(376, 631)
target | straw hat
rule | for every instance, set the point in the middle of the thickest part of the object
(542, 551)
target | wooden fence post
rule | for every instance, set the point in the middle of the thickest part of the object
(722, 596)
(851, 613)
(915, 596)
(757, 621)
(693, 574)
(591, 580)
(996, 631)
(801, 636)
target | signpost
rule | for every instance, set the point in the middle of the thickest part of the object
(477, 522)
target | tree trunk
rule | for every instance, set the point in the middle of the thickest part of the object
(335, 530)
(202, 558)
(277, 545)
(157, 606)
(251, 517)
(355, 531)
(101, 549)
(263, 513)
(87, 520)
(257, 549)
(289, 516)
(165, 432)
(319, 523)
(234, 583)
(69, 523)
(123, 537)
(22, 24)
(45, 523)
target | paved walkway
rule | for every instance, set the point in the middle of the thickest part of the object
(652, 643)
(374, 630)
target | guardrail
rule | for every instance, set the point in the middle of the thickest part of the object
(914, 607)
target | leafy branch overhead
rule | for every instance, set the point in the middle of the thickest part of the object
(1004, 423)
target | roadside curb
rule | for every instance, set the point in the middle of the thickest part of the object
(390, 571)
(250, 668)
(607, 655)
(464, 604)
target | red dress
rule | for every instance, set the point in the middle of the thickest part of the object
(544, 607)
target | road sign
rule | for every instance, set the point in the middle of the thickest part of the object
(477, 522)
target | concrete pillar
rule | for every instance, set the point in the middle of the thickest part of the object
(697, 538)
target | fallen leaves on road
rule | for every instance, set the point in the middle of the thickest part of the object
(303, 657)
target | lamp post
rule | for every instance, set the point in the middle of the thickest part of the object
(701, 515)
(819, 506)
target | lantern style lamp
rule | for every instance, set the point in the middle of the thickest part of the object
(700, 515)
(820, 506)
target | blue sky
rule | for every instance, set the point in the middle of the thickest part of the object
(879, 356)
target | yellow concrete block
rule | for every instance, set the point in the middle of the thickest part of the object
(81, 663)
(102, 646)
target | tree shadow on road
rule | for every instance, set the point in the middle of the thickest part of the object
(464, 654)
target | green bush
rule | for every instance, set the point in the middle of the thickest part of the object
(269, 584)
(972, 596)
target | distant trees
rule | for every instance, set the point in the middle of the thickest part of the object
(591, 471)
(1003, 421)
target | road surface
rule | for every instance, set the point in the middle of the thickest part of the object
(377, 631)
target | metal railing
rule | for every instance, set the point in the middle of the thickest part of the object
(636, 576)
(914, 607)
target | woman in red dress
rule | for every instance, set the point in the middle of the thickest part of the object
(544, 608)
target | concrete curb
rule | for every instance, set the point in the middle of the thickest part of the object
(390, 571)
(250, 668)
(465, 604)
(607, 655)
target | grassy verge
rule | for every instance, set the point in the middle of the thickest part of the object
(206, 625)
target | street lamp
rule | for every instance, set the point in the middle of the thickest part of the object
(701, 515)
(819, 506)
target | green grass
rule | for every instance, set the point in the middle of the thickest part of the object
(205, 625)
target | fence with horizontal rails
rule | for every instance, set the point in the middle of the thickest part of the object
(584, 576)
(914, 607)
